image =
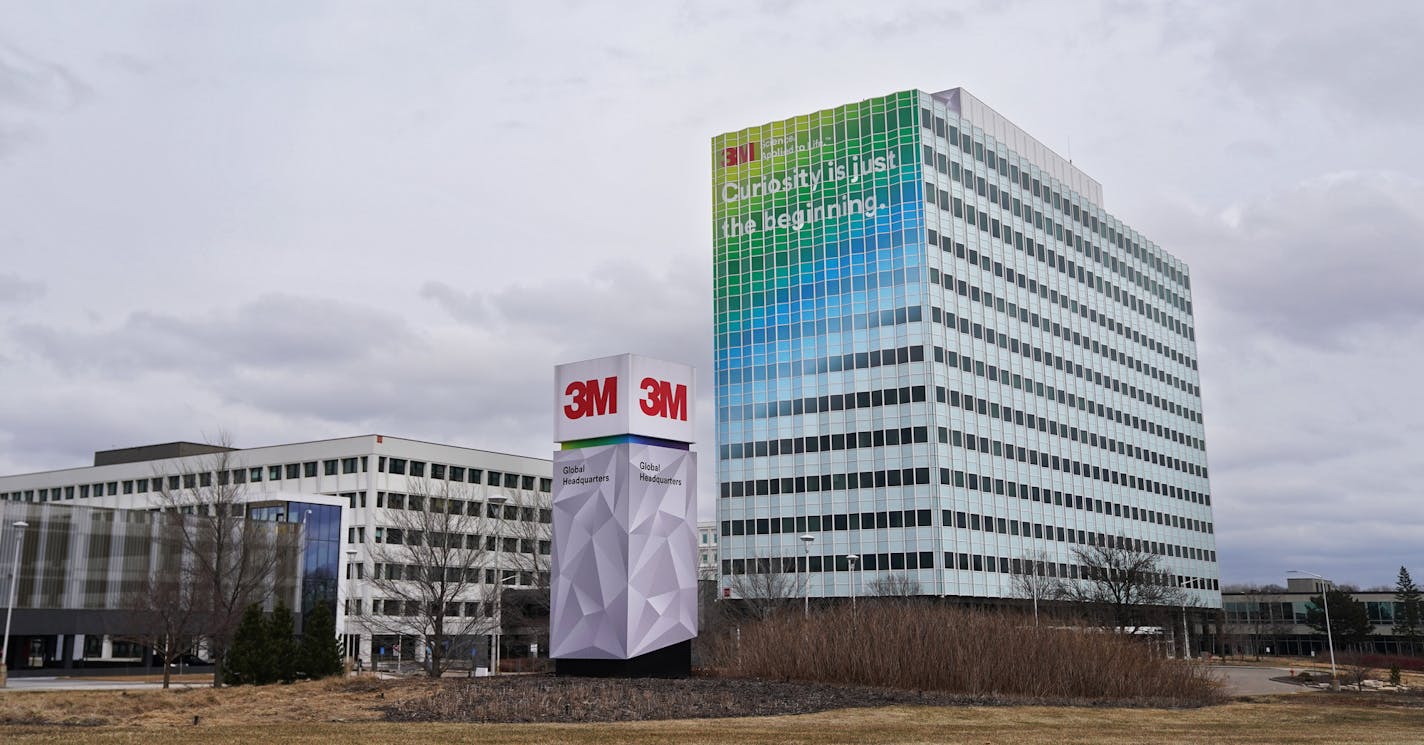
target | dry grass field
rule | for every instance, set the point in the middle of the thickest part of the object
(350, 712)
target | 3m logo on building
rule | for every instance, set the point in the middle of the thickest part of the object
(735, 156)
(624, 394)
(662, 398)
(591, 398)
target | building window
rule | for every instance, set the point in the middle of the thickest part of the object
(256, 474)
(348, 465)
(457, 473)
(437, 471)
(396, 466)
(526, 483)
(294, 470)
(274, 473)
(417, 468)
(494, 478)
(309, 469)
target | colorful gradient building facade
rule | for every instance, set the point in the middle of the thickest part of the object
(937, 352)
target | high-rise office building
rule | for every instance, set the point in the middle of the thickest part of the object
(937, 351)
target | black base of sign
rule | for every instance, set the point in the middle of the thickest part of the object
(669, 662)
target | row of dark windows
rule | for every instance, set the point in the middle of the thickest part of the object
(1066, 332)
(826, 482)
(197, 480)
(1082, 403)
(833, 402)
(1011, 238)
(468, 541)
(1061, 203)
(454, 506)
(826, 443)
(460, 474)
(899, 561)
(823, 365)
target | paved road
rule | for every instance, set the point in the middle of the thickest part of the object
(83, 684)
(1255, 681)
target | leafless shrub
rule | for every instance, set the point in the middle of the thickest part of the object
(898, 585)
(976, 653)
(1355, 669)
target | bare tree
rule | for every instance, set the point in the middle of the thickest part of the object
(1123, 585)
(1035, 578)
(232, 562)
(767, 588)
(895, 585)
(433, 574)
(525, 529)
(1354, 669)
(162, 612)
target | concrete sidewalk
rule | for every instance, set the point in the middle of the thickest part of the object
(92, 684)
(1256, 681)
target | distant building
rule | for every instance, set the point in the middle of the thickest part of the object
(346, 493)
(1256, 621)
(707, 550)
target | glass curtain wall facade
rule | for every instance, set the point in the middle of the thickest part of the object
(936, 351)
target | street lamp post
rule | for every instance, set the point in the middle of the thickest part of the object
(19, 526)
(853, 559)
(1329, 637)
(352, 650)
(807, 539)
(1186, 633)
(497, 500)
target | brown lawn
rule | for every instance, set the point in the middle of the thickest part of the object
(349, 712)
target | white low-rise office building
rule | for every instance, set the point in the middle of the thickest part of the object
(354, 496)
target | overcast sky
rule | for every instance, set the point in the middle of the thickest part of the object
(296, 220)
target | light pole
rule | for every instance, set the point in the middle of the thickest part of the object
(498, 501)
(807, 539)
(1329, 637)
(852, 559)
(19, 526)
(1186, 633)
(352, 650)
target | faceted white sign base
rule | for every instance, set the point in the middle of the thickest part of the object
(624, 578)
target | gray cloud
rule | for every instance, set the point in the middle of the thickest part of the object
(18, 290)
(28, 82)
(272, 332)
(1360, 64)
(1318, 261)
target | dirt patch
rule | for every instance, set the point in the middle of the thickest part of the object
(351, 699)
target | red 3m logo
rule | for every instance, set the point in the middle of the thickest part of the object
(591, 398)
(734, 156)
(663, 399)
